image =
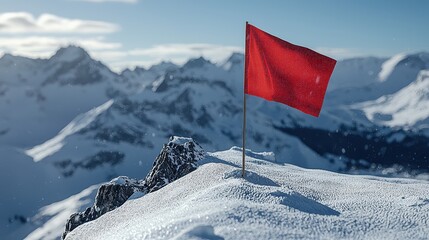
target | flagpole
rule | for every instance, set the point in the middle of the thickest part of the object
(243, 173)
(244, 137)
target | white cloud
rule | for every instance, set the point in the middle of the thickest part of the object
(24, 22)
(104, 1)
(176, 53)
(42, 47)
(340, 53)
(112, 53)
(181, 52)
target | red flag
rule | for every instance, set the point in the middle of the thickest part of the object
(279, 71)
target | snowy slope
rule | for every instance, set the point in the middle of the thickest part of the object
(56, 143)
(407, 108)
(48, 223)
(273, 202)
(41, 96)
(362, 80)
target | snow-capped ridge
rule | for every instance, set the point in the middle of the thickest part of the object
(389, 65)
(236, 59)
(163, 67)
(136, 69)
(55, 144)
(70, 53)
(197, 63)
(418, 61)
(406, 108)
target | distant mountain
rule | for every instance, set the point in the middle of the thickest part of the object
(75, 123)
(406, 108)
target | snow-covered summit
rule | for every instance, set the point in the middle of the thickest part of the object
(197, 63)
(69, 54)
(163, 67)
(272, 202)
(235, 60)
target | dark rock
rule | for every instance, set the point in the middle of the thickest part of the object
(109, 196)
(177, 158)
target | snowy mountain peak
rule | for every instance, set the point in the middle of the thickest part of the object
(416, 61)
(70, 54)
(389, 65)
(236, 59)
(8, 60)
(163, 67)
(7, 57)
(137, 70)
(197, 63)
(406, 108)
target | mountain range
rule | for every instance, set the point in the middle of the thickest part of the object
(68, 123)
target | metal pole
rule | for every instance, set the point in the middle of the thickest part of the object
(243, 172)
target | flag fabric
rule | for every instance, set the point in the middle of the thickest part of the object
(279, 71)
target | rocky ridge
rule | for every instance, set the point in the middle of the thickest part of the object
(177, 158)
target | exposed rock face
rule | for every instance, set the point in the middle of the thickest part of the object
(177, 158)
(109, 196)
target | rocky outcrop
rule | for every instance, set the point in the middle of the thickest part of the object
(109, 196)
(177, 158)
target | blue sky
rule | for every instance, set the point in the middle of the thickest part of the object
(125, 33)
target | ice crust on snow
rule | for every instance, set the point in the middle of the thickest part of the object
(273, 202)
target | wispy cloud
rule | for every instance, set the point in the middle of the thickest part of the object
(42, 47)
(340, 53)
(104, 1)
(181, 52)
(113, 53)
(24, 22)
(176, 53)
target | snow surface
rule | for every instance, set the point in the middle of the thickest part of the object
(273, 202)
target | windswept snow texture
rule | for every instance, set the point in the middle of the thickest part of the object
(273, 202)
